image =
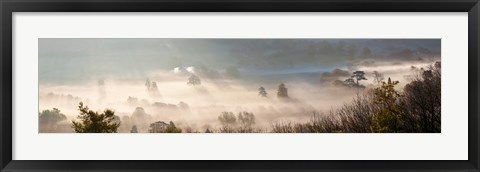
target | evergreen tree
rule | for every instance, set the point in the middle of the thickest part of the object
(208, 131)
(282, 91)
(171, 128)
(358, 76)
(387, 118)
(48, 120)
(134, 129)
(262, 92)
(94, 122)
(227, 118)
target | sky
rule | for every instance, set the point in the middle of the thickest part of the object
(71, 60)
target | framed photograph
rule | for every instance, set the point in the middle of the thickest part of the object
(158, 85)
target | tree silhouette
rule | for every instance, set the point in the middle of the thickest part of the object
(282, 91)
(194, 80)
(94, 122)
(227, 118)
(387, 118)
(208, 131)
(350, 82)
(162, 127)
(171, 128)
(134, 129)
(353, 81)
(262, 92)
(247, 119)
(48, 119)
(358, 76)
(423, 100)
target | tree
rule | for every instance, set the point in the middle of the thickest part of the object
(423, 100)
(48, 119)
(141, 119)
(94, 122)
(208, 131)
(227, 118)
(246, 119)
(358, 76)
(282, 91)
(353, 81)
(134, 129)
(194, 80)
(171, 128)
(350, 82)
(158, 127)
(387, 117)
(262, 92)
(162, 127)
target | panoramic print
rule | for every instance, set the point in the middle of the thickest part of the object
(175, 85)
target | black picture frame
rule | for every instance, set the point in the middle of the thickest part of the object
(7, 7)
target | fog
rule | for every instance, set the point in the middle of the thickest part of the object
(225, 87)
(202, 104)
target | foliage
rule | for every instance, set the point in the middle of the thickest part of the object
(282, 91)
(246, 119)
(353, 81)
(262, 92)
(162, 127)
(171, 128)
(94, 122)
(227, 118)
(358, 76)
(422, 100)
(415, 109)
(51, 116)
(208, 131)
(48, 120)
(134, 129)
(243, 123)
(350, 82)
(386, 118)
